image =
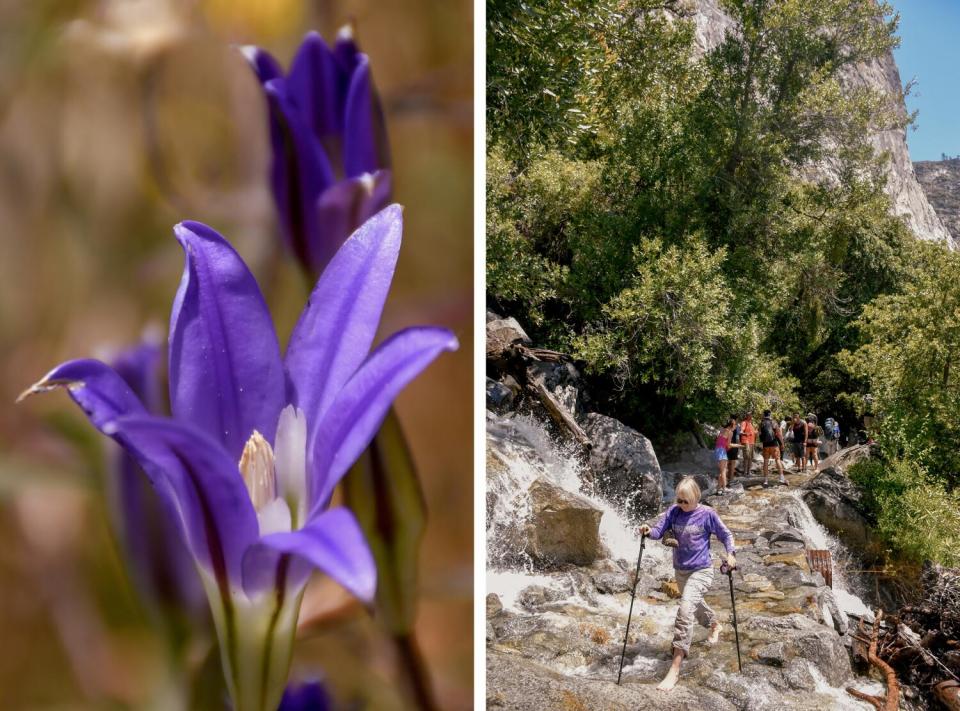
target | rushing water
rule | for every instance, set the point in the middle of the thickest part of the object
(523, 451)
(847, 586)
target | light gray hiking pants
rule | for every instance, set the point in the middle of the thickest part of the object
(693, 584)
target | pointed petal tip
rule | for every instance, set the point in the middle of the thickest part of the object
(47, 383)
(250, 52)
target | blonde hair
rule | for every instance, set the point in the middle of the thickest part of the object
(688, 485)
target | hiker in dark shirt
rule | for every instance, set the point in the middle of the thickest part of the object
(799, 429)
(733, 451)
(771, 439)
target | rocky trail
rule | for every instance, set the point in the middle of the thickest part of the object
(555, 626)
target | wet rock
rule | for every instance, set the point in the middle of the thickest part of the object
(751, 582)
(523, 685)
(563, 528)
(835, 502)
(832, 614)
(786, 535)
(688, 456)
(774, 654)
(499, 396)
(797, 676)
(612, 583)
(804, 638)
(625, 465)
(536, 596)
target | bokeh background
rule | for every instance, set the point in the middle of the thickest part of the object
(118, 119)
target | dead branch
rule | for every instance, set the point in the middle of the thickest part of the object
(891, 702)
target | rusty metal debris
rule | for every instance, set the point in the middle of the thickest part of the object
(821, 562)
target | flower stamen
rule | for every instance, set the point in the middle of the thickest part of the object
(256, 466)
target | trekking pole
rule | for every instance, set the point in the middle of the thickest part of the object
(728, 571)
(633, 595)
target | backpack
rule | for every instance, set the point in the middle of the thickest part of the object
(767, 434)
(831, 428)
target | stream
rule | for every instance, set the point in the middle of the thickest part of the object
(559, 633)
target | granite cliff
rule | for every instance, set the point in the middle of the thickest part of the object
(908, 197)
(941, 182)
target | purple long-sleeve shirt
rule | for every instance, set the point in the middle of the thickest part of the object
(692, 531)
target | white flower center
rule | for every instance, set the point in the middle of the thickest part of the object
(256, 466)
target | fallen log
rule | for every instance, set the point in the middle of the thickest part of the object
(558, 412)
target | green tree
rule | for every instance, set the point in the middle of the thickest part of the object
(910, 356)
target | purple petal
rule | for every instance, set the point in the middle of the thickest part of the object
(161, 565)
(262, 63)
(226, 376)
(299, 172)
(317, 86)
(331, 541)
(345, 50)
(307, 696)
(348, 204)
(200, 483)
(364, 138)
(355, 416)
(140, 369)
(337, 327)
(96, 387)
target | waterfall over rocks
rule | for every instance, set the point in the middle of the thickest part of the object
(555, 627)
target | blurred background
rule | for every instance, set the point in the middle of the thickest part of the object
(118, 119)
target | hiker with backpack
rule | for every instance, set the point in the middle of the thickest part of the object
(692, 524)
(831, 431)
(771, 439)
(748, 438)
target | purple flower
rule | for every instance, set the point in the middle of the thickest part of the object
(306, 696)
(330, 163)
(160, 564)
(248, 462)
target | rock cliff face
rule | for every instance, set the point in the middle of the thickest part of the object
(941, 182)
(909, 200)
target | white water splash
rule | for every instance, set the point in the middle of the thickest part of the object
(524, 447)
(508, 584)
(845, 585)
(840, 699)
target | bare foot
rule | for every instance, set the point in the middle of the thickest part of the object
(670, 680)
(714, 633)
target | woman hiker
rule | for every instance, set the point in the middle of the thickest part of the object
(692, 523)
(721, 449)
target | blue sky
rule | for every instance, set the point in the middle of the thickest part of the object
(930, 53)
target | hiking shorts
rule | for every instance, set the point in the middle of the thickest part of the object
(771, 452)
(720, 454)
(733, 454)
(798, 449)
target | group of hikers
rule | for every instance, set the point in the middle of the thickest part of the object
(803, 435)
(692, 523)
